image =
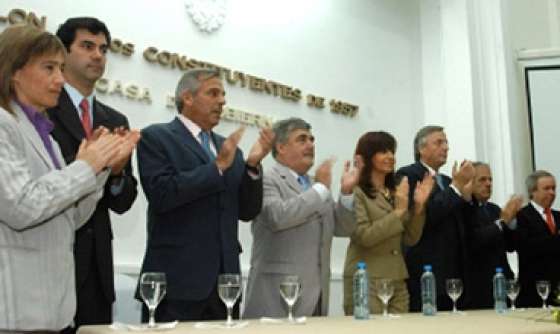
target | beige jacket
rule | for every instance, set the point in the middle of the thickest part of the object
(378, 238)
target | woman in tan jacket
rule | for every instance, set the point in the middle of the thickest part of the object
(384, 223)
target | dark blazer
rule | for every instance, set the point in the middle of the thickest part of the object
(93, 245)
(487, 250)
(539, 254)
(443, 241)
(193, 211)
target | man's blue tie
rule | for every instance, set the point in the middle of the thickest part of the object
(439, 181)
(303, 180)
(205, 141)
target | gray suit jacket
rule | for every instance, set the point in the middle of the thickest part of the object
(40, 208)
(292, 236)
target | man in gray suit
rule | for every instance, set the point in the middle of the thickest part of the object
(293, 233)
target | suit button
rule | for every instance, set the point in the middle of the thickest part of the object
(395, 252)
(89, 231)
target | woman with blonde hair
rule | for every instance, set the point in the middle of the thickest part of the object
(384, 223)
(42, 201)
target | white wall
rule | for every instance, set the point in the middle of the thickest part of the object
(366, 52)
(405, 63)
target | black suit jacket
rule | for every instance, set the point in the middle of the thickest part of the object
(487, 245)
(443, 241)
(539, 254)
(193, 211)
(93, 245)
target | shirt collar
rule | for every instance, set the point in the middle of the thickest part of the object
(293, 172)
(193, 128)
(76, 97)
(430, 169)
(539, 208)
(38, 119)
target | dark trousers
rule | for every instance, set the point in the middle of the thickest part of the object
(92, 307)
(211, 308)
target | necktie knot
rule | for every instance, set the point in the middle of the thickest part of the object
(303, 180)
(86, 117)
(205, 141)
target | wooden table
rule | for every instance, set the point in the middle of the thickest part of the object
(487, 321)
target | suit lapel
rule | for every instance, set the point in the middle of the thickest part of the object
(383, 203)
(287, 176)
(218, 141)
(31, 134)
(68, 116)
(538, 219)
(556, 216)
(188, 140)
(100, 116)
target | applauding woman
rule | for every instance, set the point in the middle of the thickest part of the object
(42, 201)
(384, 223)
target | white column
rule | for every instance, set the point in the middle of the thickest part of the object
(490, 91)
(468, 63)
(447, 82)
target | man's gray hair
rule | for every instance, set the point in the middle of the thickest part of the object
(480, 163)
(283, 128)
(532, 180)
(190, 81)
(420, 139)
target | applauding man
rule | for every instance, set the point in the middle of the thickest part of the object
(75, 117)
(198, 186)
(443, 242)
(293, 233)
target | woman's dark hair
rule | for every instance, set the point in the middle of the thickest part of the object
(368, 145)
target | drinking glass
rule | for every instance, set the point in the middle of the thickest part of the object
(454, 287)
(289, 290)
(543, 288)
(152, 290)
(512, 289)
(229, 289)
(385, 290)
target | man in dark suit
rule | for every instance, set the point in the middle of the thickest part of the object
(490, 235)
(198, 186)
(75, 117)
(538, 240)
(443, 242)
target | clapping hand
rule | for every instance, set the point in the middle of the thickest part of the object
(227, 151)
(261, 147)
(323, 173)
(130, 139)
(351, 175)
(401, 197)
(100, 149)
(461, 175)
(422, 192)
(511, 208)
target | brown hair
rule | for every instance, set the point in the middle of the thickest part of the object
(368, 145)
(20, 44)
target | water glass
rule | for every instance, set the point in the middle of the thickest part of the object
(543, 289)
(512, 290)
(385, 290)
(454, 287)
(229, 290)
(290, 290)
(152, 290)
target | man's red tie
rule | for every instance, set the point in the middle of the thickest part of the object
(86, 119)
(549, 221)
